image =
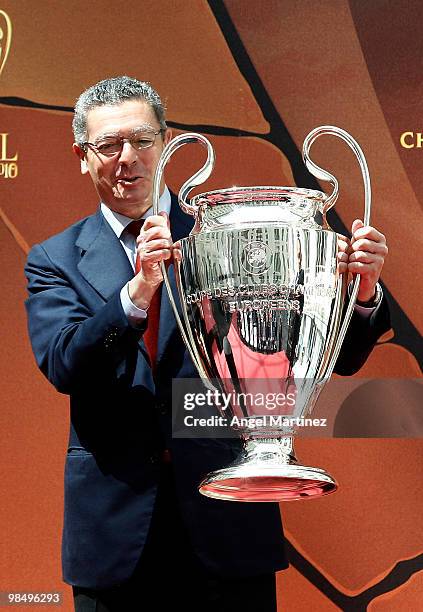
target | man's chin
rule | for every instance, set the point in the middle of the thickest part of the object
(129, 204)
(131, 192)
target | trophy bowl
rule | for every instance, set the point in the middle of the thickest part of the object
(263, 314)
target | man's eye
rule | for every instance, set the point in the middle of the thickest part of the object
(142, 142)
(107, 146)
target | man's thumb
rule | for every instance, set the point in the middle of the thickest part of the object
(164, 214)
(357, 223)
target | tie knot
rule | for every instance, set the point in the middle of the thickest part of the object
(134, 227)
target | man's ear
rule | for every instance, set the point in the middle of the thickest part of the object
(167, 136)
(80, 153)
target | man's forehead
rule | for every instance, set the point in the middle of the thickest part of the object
(115, 117)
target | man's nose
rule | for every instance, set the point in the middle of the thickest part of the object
(128, 154)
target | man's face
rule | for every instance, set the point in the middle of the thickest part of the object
(124, 182)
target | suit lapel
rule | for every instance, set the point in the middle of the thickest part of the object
(104, 263)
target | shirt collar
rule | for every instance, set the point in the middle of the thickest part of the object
(119, 222)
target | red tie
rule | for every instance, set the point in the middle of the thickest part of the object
(151, 333)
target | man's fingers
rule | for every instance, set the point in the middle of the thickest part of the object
(342, 246)
(366, 257)
(164, 214)
(154, 245)
(369, 233)
(342, 257)
(176, 251)
(366, 254)
(370, 246)
(160, 220)
(364, 268)
(177, 255)
(356, 225)
(153, 233)
(155, 256)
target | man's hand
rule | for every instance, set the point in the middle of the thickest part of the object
(154, 244)
(364, 255)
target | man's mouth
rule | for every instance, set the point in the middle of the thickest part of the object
(128, 180)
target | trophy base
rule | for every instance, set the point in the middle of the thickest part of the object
(268, 473)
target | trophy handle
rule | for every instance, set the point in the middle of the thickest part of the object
(323, 175)
(197, 179)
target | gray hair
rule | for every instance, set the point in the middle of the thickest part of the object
(114, 91)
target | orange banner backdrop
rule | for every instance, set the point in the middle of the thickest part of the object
(256, 78)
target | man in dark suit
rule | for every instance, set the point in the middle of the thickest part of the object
(137, 534)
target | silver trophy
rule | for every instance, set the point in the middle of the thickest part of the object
(263, 309)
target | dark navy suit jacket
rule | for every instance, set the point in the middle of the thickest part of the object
(121, 415)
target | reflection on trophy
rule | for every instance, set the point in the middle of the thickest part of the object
(263, 309)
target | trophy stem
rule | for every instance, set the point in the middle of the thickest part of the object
(267, 471)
